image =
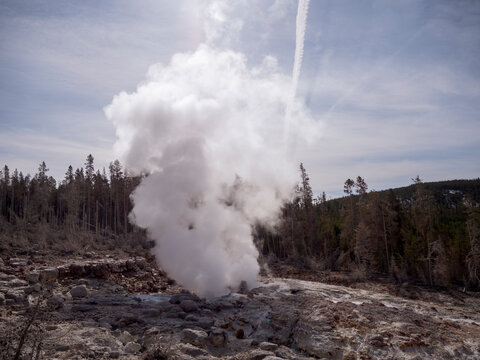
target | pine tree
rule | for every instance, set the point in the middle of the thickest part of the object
(473, 256)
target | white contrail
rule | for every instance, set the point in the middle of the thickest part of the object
(300, 38)
(302, 13)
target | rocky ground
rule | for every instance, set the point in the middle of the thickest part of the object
(126, 308)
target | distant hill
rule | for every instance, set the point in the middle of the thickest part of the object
(449, 192)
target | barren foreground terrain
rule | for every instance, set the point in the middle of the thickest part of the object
(125, 308)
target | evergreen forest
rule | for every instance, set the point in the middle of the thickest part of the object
(424, 232)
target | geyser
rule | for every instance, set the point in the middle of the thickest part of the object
(208, 129)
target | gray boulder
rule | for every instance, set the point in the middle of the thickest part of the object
(268, 346)
(178, 298)
(189, 306)
(140, 262)
(55, 302)
(16, 283)
(16, 296)
(151, 336)
(191, 350)
(33, 276)
(259, 354)
(194, 337)
(48, 276)
(218, 338)
(132, 347)
(125, 337)
(79, 292)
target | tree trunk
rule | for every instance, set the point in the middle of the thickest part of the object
(386, 242)
(96, 217)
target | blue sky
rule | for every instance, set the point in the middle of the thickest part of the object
(394, 86)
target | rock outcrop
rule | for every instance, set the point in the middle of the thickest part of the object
(88, 310)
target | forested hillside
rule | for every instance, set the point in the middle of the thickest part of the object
(87, 208)
(426, 231)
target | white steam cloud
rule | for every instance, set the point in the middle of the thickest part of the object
(208, 130)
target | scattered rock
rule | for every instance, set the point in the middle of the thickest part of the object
(132, 347)
(205, 323)
(175, 313)
(9, 302)
(141, 263)
(63, 271)
(130, 264)
(15, 295)
(151, 312)
(125, 337)
(284, 352)
(100, 270)
(259, 354)
(194, 337)
(313, 338)
(79, 291)
(189, 306)
(128, 320)
(218, 338)
(151, 336)
(62, 347)
(117, 266)
(35, 288)
(6, 277)
(267, 346)
(28, 290)
(178, 298)
(220, 305)
(287, 314)
(17, 262)
(191, 350)
(55, 302)
(377, 341)
(83, 308)
(77, 270)
(114, 354)
(16, 283)
(105, 324)
(33, 276)
(191, 317)
(48, 276)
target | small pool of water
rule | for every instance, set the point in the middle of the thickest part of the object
(155, 298)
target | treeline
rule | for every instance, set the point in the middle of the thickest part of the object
(429, 232)
(433, 235)
(85, 200)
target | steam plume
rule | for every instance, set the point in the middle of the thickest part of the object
(208, 130)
